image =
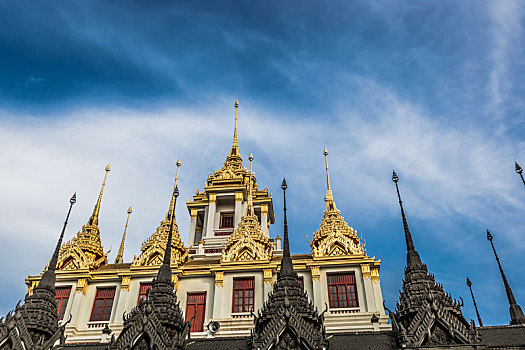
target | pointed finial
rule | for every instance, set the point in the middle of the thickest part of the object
(469, 284)
(118, 259)
(93, 220)
(519, 170)
(413, 258)
(286, 263)
(49, 277)
(329, 198)
(172, 201)
(516, 314)
(236, 104)
(250, 198)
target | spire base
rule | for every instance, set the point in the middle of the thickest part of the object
(516, 315)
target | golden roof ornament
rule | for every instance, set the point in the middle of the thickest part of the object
(248, 241)
(334, 236)
(233, 167)
(85, 251)
(152, 250)
(118, 259)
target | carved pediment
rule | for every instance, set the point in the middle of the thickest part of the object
(248, 242)
(335, 237)
(153, 248)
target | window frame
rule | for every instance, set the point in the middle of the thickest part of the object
(143, 294)
(224, 215)
(62, 300)
(244, 306)
(101, 315)
(188, 317)
(342, 294)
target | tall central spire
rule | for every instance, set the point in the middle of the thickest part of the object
(235, 149)
(93, 220)
(413, 258)
(329, 198)
(286, 264)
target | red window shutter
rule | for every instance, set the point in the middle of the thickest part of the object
(196, 305)
(144, 287)
(342, 290)
(103, 304)
(62, 298)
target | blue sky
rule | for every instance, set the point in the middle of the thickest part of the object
(432, 89)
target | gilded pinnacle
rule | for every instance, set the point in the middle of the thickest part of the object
(129, 210)
(329, 198)
(118, 259)
(93, 220)
(250, 199)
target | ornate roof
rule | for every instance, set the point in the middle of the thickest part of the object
(157, 322)
(425, 313)
(85, 250)
(288, 319)
(334, 236)
(248, 242)
(154, 247)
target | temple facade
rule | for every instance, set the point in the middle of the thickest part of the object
(226, 269)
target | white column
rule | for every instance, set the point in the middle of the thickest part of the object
(267, 283)
(78, 298)
(316, 281)
(369, 292)
(217, 298)
(376, 286)
(211, 215)
(264, 219)
(193, 225)
(238, 209)
(121, 300)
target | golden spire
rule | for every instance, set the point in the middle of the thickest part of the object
(118, 259)
(329, 198)
(236, 104)
(250, 199)
(173, 199)
(93, 220)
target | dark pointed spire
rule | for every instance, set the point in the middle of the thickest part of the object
(286, 264)
(519, 170)
(516, 314)
(165, 270)
(49, 277)
(413, 258)
(469, 284)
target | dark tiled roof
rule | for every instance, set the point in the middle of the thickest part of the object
(502, 335)
(85, 346)
(218, 344)
(363, 341)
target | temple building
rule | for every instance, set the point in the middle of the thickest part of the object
(236, 285)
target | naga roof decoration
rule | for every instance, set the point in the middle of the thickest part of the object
(85, 251)
(288, 319)
(248, 242)
(34, 325)
(334, 236)
(425, 313)
(157, 322)
(154, 247)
